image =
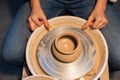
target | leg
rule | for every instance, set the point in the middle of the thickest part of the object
(13, 47)
(14, 44)
(53, 8)
(82, 8)
(112, 35)
(111, 32)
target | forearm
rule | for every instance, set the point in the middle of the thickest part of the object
(101, 4)
(35, 4)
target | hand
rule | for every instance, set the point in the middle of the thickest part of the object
(36, 19)
(96, 20)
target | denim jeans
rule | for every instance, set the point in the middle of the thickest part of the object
(14, 45)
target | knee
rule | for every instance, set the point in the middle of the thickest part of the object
(12, 57)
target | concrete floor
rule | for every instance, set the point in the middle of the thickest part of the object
(8, 9)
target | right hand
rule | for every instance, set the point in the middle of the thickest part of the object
(36, 19)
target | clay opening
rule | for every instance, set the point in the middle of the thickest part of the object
(66, 43)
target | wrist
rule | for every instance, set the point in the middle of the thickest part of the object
(101, 5)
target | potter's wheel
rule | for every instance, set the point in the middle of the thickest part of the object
(62, 70)
(93, 58)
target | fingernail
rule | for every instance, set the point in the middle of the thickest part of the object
(49, 28)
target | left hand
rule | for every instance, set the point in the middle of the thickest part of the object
(96, 20)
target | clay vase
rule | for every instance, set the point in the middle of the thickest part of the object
(67, 47)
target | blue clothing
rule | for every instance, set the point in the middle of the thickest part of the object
(14, 45)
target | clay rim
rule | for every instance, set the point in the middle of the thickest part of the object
(49, 77)
(65, 34)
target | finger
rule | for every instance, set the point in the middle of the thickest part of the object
(104, 23)
(91, 23)
(46, 23)
(37, 22)
(101, 25)
(32, 26)
(96, 23)
(88, 23)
